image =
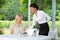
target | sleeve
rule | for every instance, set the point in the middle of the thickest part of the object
(33, 22)
(48, 18)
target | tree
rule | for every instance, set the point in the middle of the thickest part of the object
(10, 9)
(24, 9)
(2, 2)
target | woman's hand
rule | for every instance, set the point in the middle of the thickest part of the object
(25, 32)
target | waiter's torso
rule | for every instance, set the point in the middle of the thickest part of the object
(40, 18)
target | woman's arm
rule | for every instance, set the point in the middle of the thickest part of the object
(25, 28)
(24, 32)
(33, 23)
(48, 18)
(11, 30)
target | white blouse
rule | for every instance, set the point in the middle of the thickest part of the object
(41, 18)
(17, 29)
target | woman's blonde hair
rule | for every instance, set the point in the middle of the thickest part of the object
(19, 16)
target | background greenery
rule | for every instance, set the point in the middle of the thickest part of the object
(9, 8)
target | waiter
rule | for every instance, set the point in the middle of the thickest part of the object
(41, 18)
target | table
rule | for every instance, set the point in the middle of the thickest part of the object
(17, 37)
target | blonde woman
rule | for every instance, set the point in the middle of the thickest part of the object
(17, 27)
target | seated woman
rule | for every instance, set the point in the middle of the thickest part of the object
(17, 27)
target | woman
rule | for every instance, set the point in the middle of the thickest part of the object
(41, 18)
(17, 27)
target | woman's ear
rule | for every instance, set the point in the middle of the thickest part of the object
(35, 9)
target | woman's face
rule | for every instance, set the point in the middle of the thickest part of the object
(18, 18)
(32, 10)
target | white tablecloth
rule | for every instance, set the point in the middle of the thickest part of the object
(17, 37)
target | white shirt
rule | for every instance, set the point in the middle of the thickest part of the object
(17, 30)
(41, 18)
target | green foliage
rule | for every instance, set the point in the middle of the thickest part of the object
(4, 24)
(2, 17)
(10, 9)
(1, 26)
(49, 12)
(24, 9)
(58, 27)
(47, 4)
(37, 26)
(1, 32)
(58, 16)
(2, 2)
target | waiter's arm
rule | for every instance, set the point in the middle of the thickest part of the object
(48, 18)
(33, 23)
